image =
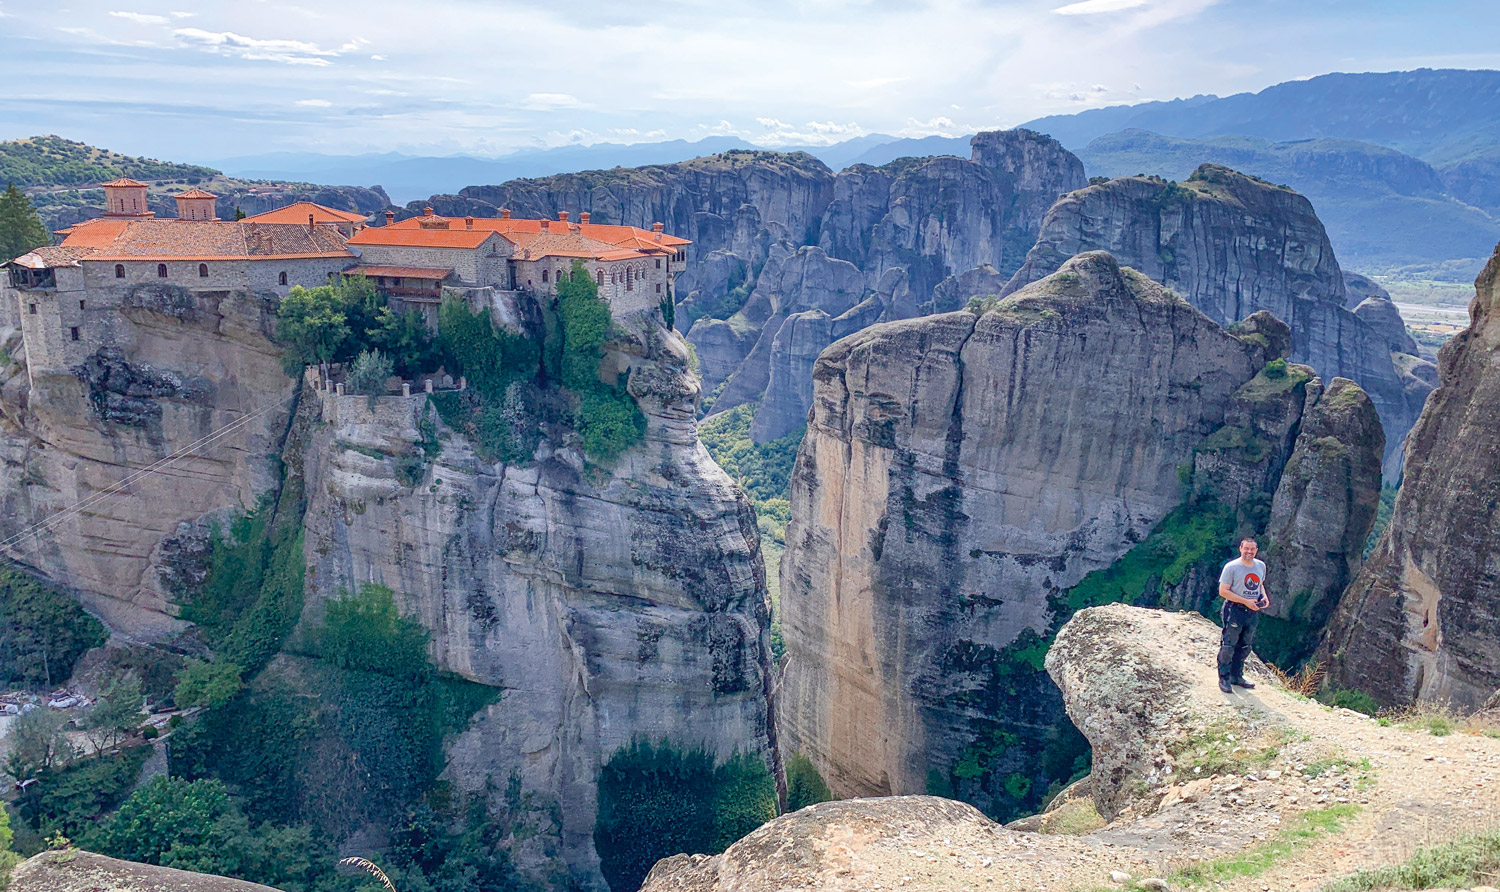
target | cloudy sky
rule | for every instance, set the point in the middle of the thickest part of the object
(205, 81)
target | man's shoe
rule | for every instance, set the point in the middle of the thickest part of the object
(1224, 686)
(1241, 683)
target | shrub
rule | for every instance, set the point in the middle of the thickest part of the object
(66, 801)
(207, 684)
(1276, 368)
(489, 357)
(368, 373)
(365, 632)
(609, 422)
(656, 800)
(804, 785)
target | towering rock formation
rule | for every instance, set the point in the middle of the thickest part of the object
(609, 604)
(1422, 620)
(796, 257)
(1231, 245)
(967, 481)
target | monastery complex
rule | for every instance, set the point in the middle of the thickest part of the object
(65, 294)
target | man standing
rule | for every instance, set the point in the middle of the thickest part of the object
(1242, 586)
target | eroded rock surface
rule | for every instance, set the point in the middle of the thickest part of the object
(169, 368)
(959, 473)
(78, 871)
(609, 604)
(1422, 620)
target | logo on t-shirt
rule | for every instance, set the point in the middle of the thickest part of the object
(1252, 584)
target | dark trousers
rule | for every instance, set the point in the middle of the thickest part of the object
(1234, 644)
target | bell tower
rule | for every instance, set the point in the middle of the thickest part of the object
(196, 204)
(126, 198)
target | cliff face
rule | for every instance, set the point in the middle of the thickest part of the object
(961, 471)
(171, 367)
(1421, 620)
(608, 604)
(785, 243)
(968, 481)
(1232, 245)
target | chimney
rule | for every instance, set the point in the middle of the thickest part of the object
(310, 226)
(657, 228)
(468, 222)
(390, 217)
(427, 211)
(583, 217)
(562, 216)
(544, 225)
(505, 213)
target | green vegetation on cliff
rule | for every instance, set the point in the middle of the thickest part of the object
(763, 470)
(656, 801)
(54, 161)
(42, 632)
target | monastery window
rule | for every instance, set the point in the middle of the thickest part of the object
(33, 309)
(658, 288)
(161, 270)
(281, 279)
(73, 333)
(202, 270)
(119, 270)
(544, 275)
(80, 305)
(396, 282)
(658, 263)
(629, 279)
(599, 277)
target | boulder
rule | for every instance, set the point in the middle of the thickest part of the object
(74, 870)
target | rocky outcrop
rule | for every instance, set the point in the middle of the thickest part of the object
(1184, 779)
(1232, 245)
(959, 473)
(1383, 317)
(171, 368)
(787, 243)
(78, 871)
(609, 604)
(1420, 621)
(1359, 287)
(968, 481)
(1323, 509)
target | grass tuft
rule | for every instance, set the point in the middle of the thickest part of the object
(1300, 832)
(1460, 864)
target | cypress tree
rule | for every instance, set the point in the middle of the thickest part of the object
(20, 228)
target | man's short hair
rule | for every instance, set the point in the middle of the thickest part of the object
(1251, 540)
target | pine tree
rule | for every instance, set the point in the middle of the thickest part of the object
(20, 228)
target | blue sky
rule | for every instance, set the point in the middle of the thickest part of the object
(203, 81)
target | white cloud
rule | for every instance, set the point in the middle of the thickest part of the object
(1095, 7)
(551, 101)
(141, 18)
(228, 43)
(314, 103)
(378, 59)
(179, 14)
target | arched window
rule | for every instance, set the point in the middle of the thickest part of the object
(544, 275)
(629, 279)
(281, 279)
(119, 270)
(599, 277)
(202, 270)
(161, 270)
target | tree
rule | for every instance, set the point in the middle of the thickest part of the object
(366, 632)
(404, 337)
(8, 858)
(38, 744)
(115, 714)
(21, 229)
(368, 373)
(42, 632)
(207, 684)
(311, 325)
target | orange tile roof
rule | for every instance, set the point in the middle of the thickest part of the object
(597, 241)
(196, 193)
(124, 181)
(403, 272)
(51, 257)
(202, 240)
(297, 213)
(413, 237)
